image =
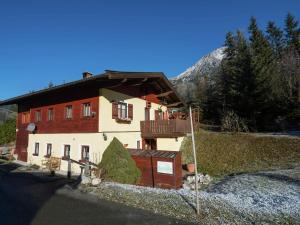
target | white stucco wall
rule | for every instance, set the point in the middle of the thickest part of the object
(59, 140)
(107, 124)
(169, 144)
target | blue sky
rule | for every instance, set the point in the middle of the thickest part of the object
(43, 41)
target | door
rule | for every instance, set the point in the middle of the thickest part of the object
(150, 144)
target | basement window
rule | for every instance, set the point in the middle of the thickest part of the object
(36, 149)
(85, 150)
(67, 151)
(49, 150)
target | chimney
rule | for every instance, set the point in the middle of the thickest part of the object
(86, 75)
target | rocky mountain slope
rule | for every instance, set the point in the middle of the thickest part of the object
(200, 74)
(205, 66)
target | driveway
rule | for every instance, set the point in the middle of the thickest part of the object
(28, 199)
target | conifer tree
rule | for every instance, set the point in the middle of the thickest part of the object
(275, 38)
(292, 33)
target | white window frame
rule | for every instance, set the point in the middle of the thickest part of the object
(82, 155)
(50, 114)
(122, 110)
(64, 150)
(38, 115)
(86, 109)
(36, 148)
(69, 112)
(47, 149)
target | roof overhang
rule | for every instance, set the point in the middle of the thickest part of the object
(157, 82)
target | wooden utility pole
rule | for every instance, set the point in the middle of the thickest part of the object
(195, 161)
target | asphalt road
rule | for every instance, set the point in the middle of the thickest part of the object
(26, 199)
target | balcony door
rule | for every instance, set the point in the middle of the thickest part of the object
(147, 114)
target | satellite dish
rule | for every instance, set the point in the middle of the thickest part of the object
(31, 127)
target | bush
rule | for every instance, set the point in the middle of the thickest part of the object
(118, 165)
(8, 132)
(233, 123)
(221, 154)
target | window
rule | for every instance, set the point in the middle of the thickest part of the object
(69, 112)
(87, 109)
(36, 148)
(138, 144)
(26, 117)
(49, 149)
(122, 110)
(85, 152)
(50, 114)
(67, 150)
(38, 116)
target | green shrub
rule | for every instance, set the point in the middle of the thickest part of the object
(8, 132)
(221, 154)
(118, 165)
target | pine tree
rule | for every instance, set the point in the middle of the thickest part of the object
(262, 66)
(292, 33)
(275, 38)
(228, 71)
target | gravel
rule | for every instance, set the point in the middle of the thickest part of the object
(271, 197)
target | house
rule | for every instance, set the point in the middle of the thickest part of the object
(79, 119)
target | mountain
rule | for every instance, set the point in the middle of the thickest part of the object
(204, 66)
(199, 75)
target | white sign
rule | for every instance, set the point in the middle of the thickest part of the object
(165, 167)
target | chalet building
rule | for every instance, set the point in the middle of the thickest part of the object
(79, 119)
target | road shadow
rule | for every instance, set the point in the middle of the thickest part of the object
(23, 194)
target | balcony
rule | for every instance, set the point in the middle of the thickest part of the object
(165, 128)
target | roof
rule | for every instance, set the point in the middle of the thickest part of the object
(153, 153)
(158, 80)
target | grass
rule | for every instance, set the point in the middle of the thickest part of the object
(220, 154)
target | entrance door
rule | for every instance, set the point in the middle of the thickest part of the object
(150, 144)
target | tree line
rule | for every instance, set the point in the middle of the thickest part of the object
(259, 78)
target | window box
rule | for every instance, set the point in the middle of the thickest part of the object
(47, 156)
(123, 120)
(35, 154)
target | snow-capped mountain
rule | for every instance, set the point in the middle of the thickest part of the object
(205, 66)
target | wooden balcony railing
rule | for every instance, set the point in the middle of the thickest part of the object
(165, 128)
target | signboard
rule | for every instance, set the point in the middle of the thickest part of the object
(165, 167)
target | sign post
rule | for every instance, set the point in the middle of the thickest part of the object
(195, 161)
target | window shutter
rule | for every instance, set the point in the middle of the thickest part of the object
(114, 110)
(130, 111)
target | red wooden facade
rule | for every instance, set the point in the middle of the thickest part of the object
(147, 161)
(60, 124)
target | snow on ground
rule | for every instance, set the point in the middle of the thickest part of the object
(271, 197)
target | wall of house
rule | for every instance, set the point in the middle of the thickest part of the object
(58, 141)
(107, 123)
(96, 141)
(78, 124)
(169, 144)
(96, 132)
